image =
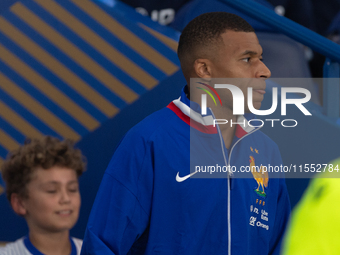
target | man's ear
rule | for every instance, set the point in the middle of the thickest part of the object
(202, 68)
(18, 204)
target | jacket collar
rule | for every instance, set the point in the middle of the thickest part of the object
(190, 113)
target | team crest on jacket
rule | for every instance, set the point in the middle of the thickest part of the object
(260, 175)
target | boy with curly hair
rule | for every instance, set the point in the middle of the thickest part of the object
(41, 180)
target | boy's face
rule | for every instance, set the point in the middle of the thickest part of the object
(53, 201)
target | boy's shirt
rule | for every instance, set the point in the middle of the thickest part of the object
(23, 246)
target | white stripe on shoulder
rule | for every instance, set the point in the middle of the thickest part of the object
(16, 248)
(78, 243)
(206, 121)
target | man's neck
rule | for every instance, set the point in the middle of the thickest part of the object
(227, 130)
(220, 112)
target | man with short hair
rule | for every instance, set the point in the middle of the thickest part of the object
(156, 196)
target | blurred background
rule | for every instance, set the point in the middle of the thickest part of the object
(91, 69)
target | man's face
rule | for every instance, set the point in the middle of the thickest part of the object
(53, 201)
(240, 56)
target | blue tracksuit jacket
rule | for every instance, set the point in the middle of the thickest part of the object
(151, 200)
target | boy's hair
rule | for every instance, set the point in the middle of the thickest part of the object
(203, 34)
(45, 153)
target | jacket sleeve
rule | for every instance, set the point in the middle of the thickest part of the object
(283, 211)
(120, 213)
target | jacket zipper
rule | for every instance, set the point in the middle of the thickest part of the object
(229, 174)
